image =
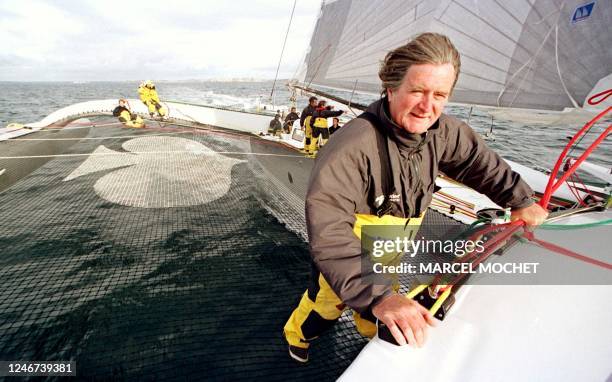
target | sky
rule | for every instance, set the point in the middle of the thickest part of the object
(96, 40)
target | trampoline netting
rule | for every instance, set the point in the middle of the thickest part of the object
(154, 254)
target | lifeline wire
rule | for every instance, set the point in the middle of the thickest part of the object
(283, 49)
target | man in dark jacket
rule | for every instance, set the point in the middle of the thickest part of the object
(289, 119)
(335, 125)
(305, 122)
(346, 191)
(275, 126)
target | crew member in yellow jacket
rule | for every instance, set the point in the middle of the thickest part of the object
(126, 116)
(148, 95)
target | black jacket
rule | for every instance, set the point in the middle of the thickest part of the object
(308, 110)
(326, 113)
(291, 117)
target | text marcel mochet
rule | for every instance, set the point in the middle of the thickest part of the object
(382, 247)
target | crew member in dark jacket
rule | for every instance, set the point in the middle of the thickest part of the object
(125, 115)
(346, 191)
(275, 126)
(305, 124)
(289, 119)
(335, 126)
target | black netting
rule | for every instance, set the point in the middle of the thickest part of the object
(153, 293)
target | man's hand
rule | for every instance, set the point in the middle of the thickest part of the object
(406, 319)
(533, 215)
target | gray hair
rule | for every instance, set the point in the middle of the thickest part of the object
(426, 48)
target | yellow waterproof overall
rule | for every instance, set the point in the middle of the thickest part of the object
(320, 135)
(150, 98)
(126, 118)
(320, 307)
(307, 135)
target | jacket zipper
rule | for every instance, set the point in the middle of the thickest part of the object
(417, 173)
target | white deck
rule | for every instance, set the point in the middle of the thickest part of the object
(514, 332)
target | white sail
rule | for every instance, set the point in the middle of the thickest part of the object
(539, 54)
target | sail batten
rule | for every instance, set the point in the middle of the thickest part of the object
(537, 54)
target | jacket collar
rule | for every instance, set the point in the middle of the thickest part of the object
(405, 141)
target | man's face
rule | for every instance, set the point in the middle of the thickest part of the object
(313, 103)
(418, 102)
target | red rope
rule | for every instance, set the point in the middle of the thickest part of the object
(584, 187)
(566, 252)
(605, 94)
(552, 186)
(574, 190)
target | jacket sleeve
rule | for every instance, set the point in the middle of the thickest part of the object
(338, 184)
(330, 113)
(470, 161)
(303, 116)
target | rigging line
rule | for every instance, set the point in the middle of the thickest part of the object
(188, 116)
(577, 144)
(122, 153)
(566, 252)
(584, 187)
(470, 114)
(351, 99)
(329, 96)
(307, 51)
(574, 226)
(280, 59)
(101, 138)
(79, 126)
(552, 186)
(574, 190)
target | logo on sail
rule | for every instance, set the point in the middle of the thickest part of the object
(583, 12)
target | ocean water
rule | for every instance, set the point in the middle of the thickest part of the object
(535, 145)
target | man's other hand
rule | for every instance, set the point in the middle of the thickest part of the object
(406, 319)
(533, 215)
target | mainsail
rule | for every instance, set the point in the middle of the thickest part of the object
(539, 54)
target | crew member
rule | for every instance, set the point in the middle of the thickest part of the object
(148, 95)
(305, 123)
(126, 116)
(320, 126)
(380, 169)
(289, 119)
(335, 126)
(276, 126)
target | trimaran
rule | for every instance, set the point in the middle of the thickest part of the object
(539, 54)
